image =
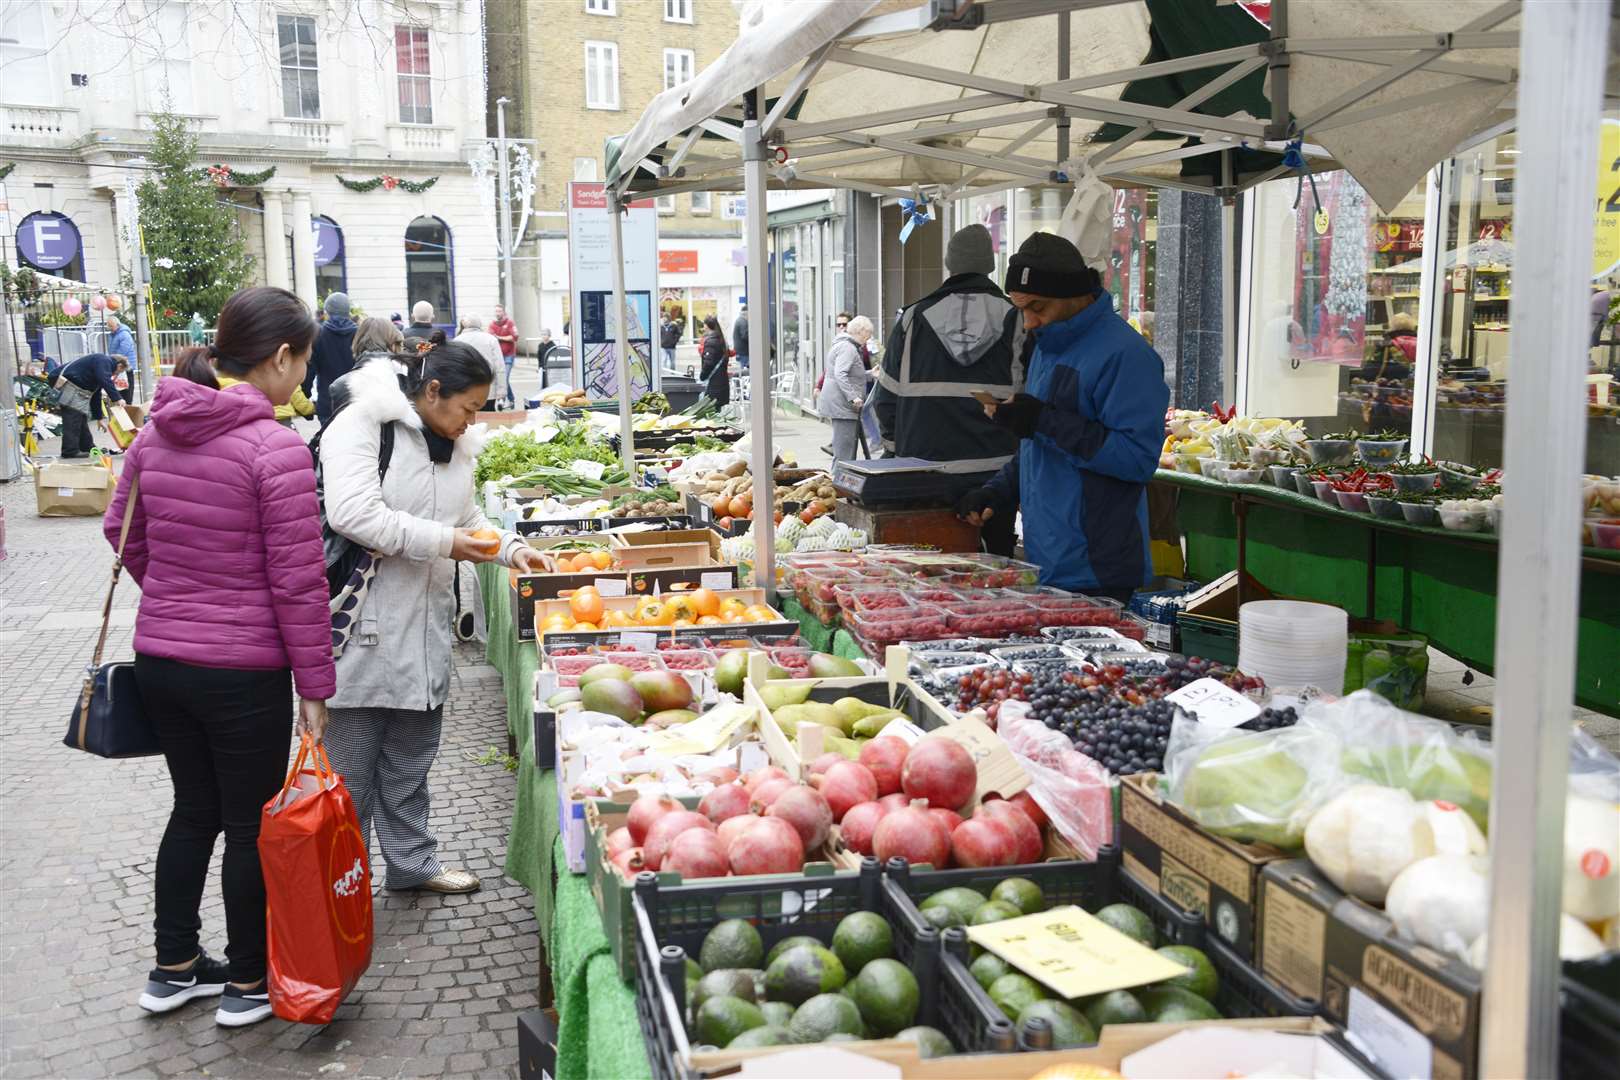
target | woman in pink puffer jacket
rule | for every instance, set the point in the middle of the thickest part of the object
(225, 542)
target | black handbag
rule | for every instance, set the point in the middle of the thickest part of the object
(109, 719)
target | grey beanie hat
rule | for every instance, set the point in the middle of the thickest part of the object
(970, 251)
(337, 305)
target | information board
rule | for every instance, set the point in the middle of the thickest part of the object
(590, 285)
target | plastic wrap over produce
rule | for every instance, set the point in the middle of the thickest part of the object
(1076, 792)
(613, 755)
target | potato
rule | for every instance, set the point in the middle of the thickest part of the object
(736, 468)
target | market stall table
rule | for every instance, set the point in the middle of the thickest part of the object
(1431, 581)
(516, 660)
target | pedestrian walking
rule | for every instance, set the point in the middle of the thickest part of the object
(739, 335)
(716, 379)
(81, 385)
(505, 332)
(120, 342)
(669, 336)
(333, 356)
(472, 332)
(419, 518)
(421, 328)
(844, 391)
(225, 543)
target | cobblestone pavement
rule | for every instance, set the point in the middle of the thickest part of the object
(78, 837)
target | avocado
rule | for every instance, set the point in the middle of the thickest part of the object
(725, 982)
(803, 972)
(964, 901)
(1175, 1005)
(1200, 978)
(787, 943)
(722, 1019)
(777, 1013)
(931, 1042)
(824, 1015)
(861, 937)
(941, 917)
(994, 911)
(733, 943)
(1130, 921)
(1114, 1007)
(886, 992)
(1069, 1027)
(843, 1036)
(769, 1035)
(694, 971)
(1015, 991)
(1021, 893)
(988, 968)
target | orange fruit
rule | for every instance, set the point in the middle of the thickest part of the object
(643, 601)
(586, 604)
(705, 602)
(731, 605)
(615, 617)
(734, 617)
(759, 613)
(601, 560)
(656, 614)
(681, 606)
(585, 626)
(678, 623)
(557, 620)
(709, 620)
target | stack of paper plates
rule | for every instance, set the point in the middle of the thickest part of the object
(1294, 644)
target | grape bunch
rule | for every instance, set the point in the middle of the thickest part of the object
(1272, 719)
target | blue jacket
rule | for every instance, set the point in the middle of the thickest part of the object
(123, 344)
(1081, 479)
(94, 372)
(330, 360)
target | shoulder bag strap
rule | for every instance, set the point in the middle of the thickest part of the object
(106, 607)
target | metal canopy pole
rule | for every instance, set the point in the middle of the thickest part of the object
(755, 153)
(1277, 50)
(621, 343)
(1562, 53)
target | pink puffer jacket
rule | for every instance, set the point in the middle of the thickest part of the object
(225, 540)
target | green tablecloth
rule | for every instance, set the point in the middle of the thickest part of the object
(835, 640)
(516, 660)
(1432, 581)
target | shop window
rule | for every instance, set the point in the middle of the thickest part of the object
(300, 74)
(601, 75)
(666, 204)
(415, 80)
(1128, 277)
(49, 242)
(1333, 313)
(430, 267)
(331, 259)
(702, 202)
(1474, 298)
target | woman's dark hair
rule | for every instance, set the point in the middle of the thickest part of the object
(456, 366)
(712, 325)
(252, 325)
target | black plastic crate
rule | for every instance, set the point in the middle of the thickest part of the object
(966, 1012)
(670, 926)
(1175, 927)
(1246, 992)
(1089, 885)
(1589, 1019)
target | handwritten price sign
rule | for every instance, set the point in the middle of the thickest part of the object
(1074, 953)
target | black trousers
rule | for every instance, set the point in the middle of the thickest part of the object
(76, 438)
(225, 733)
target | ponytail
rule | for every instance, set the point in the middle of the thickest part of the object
(193, 363)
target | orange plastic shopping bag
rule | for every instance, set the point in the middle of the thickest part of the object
(317, 890)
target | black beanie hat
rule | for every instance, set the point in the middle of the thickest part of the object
(1048, 265)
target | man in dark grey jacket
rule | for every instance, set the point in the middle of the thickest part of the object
(952, 342)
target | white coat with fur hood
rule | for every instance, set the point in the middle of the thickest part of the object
(399, 656)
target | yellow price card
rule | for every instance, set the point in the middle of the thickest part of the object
(704, 735)
(1074, 953)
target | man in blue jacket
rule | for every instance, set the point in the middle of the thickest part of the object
(120, 342)
(81, 385)
(1090, 421)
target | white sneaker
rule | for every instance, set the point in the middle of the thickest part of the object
(239, 1008)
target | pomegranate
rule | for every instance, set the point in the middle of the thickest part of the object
(983, 841)
(807, 811)
(619, 840)
(858, 823)
(646, 810)
(720, 774)
(697, 853)
(895, 800)
(913, 834)
(733, 827)
(666, 829)
(768, 792)
(629, 863)
(939, 770)
(725, 801)
(949, 818)
(767, 846)
(1032, 809)
(884, 756)
(1027, 846)
(760, 775)
(846, 784)
(823, 763)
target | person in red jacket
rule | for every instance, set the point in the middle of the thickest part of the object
(225, 543)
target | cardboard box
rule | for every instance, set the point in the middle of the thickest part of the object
(666, 548)
(124, 423)
(1173, 856)
(1411, 1010)
(67, 490)
(783, 627)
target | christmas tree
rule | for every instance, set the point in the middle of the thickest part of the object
(191, 237)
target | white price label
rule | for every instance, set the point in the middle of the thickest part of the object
(904, 729)
(1389, 1042)
(1216, 704)
(65, 493)
(590, 470)
(717, 580)
(639, 641)
(546, 434)
(609, 586)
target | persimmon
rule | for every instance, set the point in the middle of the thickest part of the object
(705, 601)
(586, 604)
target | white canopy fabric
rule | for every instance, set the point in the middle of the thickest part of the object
(885, 102)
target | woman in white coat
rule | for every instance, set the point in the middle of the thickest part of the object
(418, 518)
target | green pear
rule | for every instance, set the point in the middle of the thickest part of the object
(868, 727)
(850, 748)
(775, 697)
(788, 718)
(819, 712)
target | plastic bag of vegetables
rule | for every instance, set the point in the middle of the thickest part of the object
(1255, 787)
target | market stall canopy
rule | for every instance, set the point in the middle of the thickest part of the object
(891, 95)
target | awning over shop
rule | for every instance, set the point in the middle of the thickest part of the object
(891, 95)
